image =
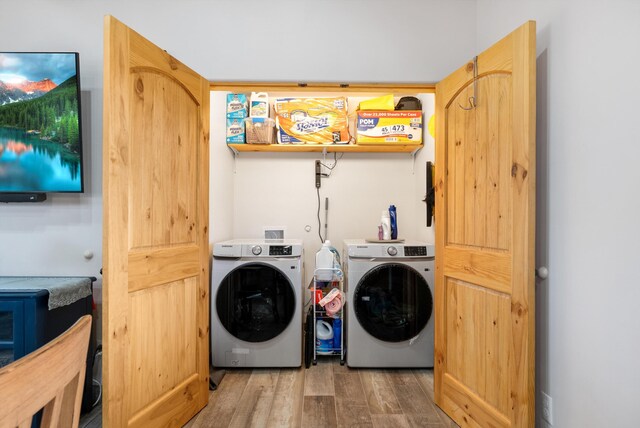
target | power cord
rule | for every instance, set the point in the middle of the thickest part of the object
(335, 163)
(308, 302)
(327, 175)
(319, 222)
(96, 382)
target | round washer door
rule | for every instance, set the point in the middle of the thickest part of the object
(255, 302)
(393, 302)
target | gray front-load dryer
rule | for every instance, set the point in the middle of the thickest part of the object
(256, 304)
(390, 320)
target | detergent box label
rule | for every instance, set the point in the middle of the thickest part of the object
(382, 127)
(236, 106)
(235, 131)
(312, 120)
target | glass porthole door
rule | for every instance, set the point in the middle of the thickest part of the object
(255, 302)
(393, 303)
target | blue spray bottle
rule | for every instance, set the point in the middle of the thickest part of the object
(337, 334)
(394, 222)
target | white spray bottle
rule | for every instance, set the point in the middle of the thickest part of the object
(385, 221)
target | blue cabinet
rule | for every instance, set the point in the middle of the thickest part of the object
(21, 323)
(26, 323)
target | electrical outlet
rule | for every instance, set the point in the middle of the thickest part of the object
(547, 408)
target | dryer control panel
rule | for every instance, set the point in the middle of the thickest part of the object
(280, 250)
(361, 249)
(258, 248)
(415, 251)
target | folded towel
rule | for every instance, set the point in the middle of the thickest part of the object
(332, 302)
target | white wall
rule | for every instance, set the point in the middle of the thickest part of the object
(221, 174)
(588, 340)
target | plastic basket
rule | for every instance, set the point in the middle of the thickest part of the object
(259, 130)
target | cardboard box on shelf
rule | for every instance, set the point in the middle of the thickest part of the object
(236, 106)
(384, 127)
(235, 131)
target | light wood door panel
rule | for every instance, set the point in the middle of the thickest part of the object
(159, 361)
(485, 211)
(165, 169)
(478, 143)
(156, 244)
(479, 328)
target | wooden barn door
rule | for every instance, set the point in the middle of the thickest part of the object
(156, 245)
(485, 219)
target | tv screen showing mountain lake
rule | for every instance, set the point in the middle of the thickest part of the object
(30, 164)
(40, 141)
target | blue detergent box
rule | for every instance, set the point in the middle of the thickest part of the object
(235, 131)
(237, 106)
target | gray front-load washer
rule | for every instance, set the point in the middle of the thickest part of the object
(390, 320)
(256, 303)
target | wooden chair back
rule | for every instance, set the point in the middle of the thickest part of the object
(50, 378)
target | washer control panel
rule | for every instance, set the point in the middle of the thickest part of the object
(410, 251)
(363, 249)
(280, 250)
(258, 248)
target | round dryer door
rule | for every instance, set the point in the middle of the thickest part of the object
(255, 302)
(392, 302)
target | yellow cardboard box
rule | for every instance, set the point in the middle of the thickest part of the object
(384, 127)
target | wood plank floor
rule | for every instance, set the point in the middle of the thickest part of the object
(323, 396)
(93, 419)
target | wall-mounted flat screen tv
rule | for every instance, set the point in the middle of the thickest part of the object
(40, 126)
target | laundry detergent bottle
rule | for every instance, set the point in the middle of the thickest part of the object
(393, 216)
(325, 262)
(324, 336)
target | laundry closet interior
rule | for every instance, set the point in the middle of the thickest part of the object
(271, 191)
(272, 188)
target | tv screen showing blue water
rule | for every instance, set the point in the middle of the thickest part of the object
(40, 133)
